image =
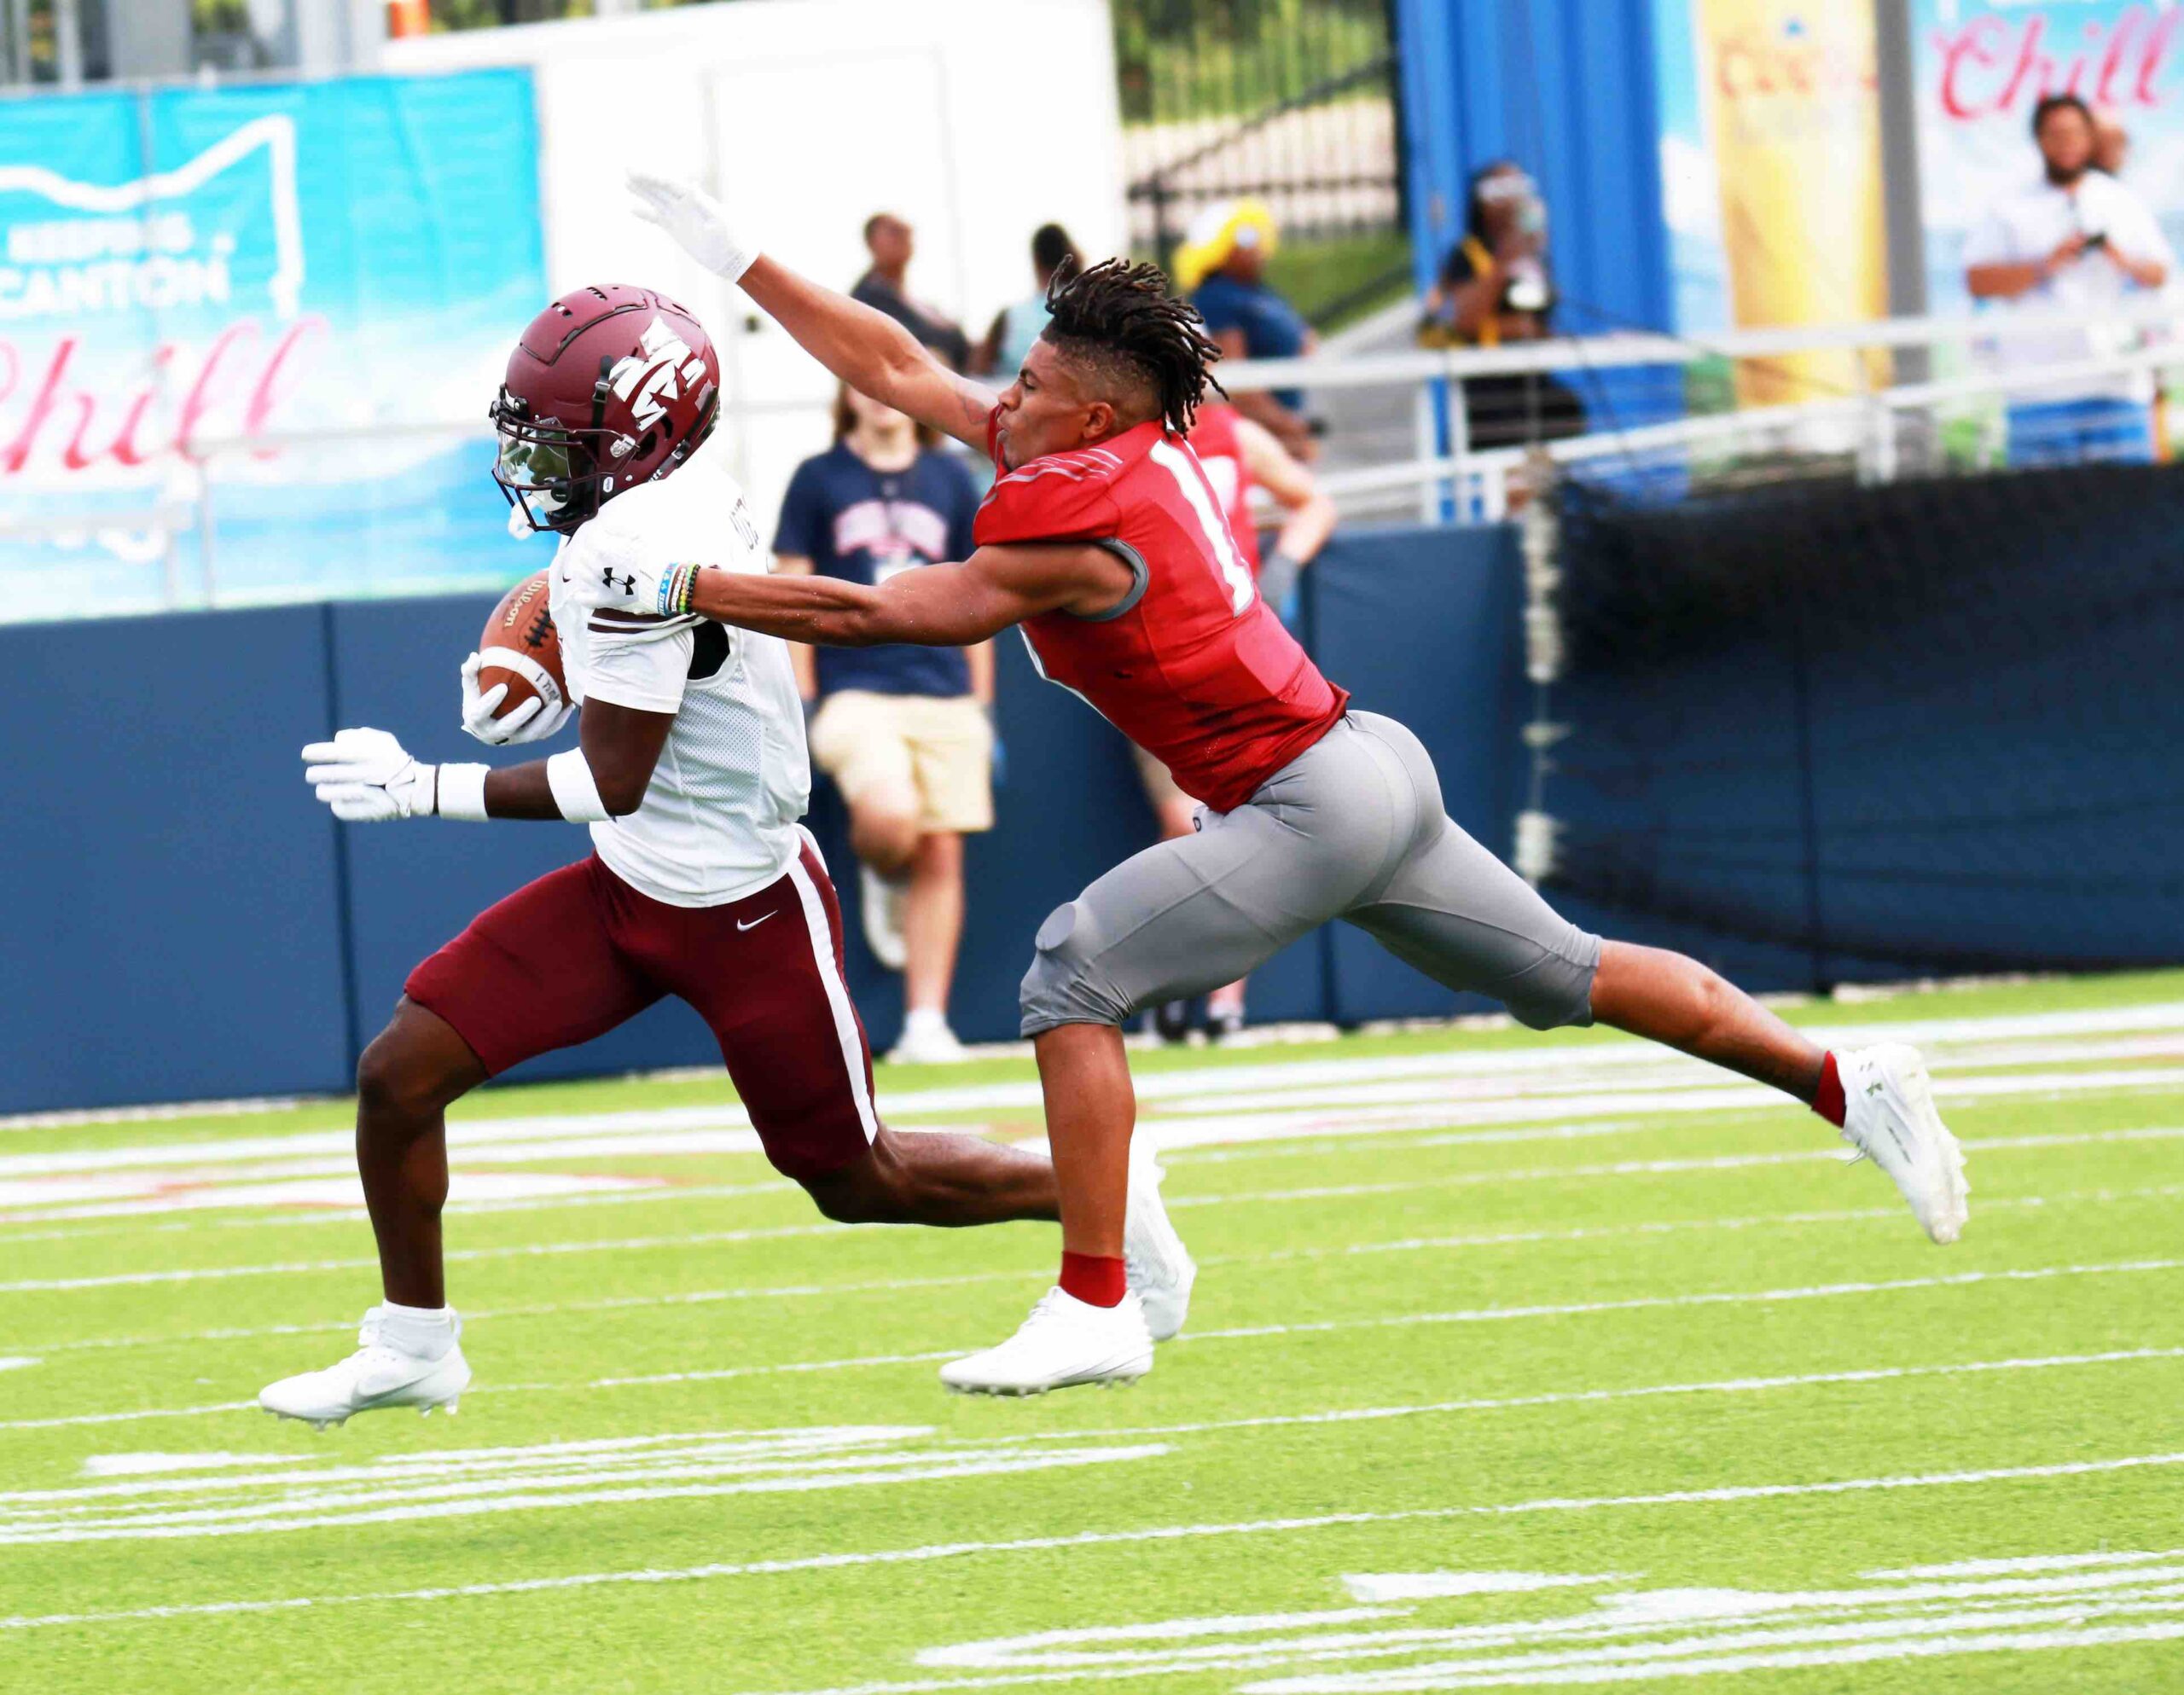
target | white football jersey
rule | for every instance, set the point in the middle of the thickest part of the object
(719, 820)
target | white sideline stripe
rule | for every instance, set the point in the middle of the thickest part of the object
(1720, 1162)
(661, 1189)
(1316, 1328)
(847, 1035)
(892, 1285)
(642, 1243)
(519, 1251)
(1704, 1658)
(937, 1551)
(1582, 1096)
(1466, 1315)
(1749, 1385)
(1523, 1072)
(336, 1189)
(494, 1499)
(2046, 1562)
(1657, 1303)
(1931, 1033)
(15, 1362)
(63, 1185)
(1491, 1238)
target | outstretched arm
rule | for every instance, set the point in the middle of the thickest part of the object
(936, 606)
(1308, 513)
(866, 349)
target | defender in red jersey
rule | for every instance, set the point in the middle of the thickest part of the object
(1239, 458)
(1236, 699)
(1103, 540)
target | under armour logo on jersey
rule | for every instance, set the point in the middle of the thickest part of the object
(647, 379)
(625, 585)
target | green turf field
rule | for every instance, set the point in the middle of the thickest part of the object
(1516, 1361)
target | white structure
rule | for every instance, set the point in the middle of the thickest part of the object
(979, 120)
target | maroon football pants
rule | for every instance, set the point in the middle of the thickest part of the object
(579, 951)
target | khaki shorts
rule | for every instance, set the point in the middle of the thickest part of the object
(1161, 785)
(939, 748)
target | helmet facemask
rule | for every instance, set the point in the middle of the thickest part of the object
(550, 473)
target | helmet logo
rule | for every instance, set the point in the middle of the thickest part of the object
(662, 370)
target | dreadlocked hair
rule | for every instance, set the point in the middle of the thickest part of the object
(1121, 318)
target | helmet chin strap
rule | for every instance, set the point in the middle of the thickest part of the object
(519, 524)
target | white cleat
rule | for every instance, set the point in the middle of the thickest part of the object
(1160, 1268)
(1890, 1118)
(1065, 1342)
(880, 904)
(375, 1376)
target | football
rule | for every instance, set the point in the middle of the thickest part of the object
(523, 623)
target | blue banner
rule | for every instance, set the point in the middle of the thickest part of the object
(248, 336)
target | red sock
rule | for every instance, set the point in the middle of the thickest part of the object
(1829, 1103)
(1093, 1279)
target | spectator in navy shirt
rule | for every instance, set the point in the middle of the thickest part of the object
(904, 732)
(1222, 267)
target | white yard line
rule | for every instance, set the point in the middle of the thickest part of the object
(1749, 1385)
(256, 1219)
(1506, 1086)
(644, 1244)
(1241, 1333)
(1491, 1238)
(1726, 1495)
(1935, 1034)
(123, 1513)
(518, 1250)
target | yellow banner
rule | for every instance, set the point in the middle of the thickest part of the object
(1792, 101)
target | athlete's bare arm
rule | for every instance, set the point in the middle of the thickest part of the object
(620, 744)
(870, 351)
(936, 606)
(1309, 513)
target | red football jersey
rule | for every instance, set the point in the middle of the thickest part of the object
(1213, 437)
(1193, 667)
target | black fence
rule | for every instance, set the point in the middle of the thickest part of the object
(1292, 104)
(1927, 726)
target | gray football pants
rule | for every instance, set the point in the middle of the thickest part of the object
(1352, 828)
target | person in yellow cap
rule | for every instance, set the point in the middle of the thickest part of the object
(1221, 266)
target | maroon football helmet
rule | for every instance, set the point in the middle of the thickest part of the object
(609, 387)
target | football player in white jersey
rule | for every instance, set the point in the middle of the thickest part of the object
(691, 771)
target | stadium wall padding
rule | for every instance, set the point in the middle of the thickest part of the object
(184, 921)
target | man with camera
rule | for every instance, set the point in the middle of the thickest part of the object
(2078, 243)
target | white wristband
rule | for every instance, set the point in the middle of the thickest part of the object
(575, 791)
(739, 260)
(462, 792)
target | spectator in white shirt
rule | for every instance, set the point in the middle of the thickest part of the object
(2078, 243)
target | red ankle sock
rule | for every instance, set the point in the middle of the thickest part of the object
(1829, 1102)
(1093, 1279)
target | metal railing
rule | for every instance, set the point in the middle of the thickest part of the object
(1882, 429)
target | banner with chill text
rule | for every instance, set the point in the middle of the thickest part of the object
(248, 336)
(1981, 65)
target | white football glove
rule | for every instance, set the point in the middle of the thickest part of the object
(694, 219)
(533, 720)
(367, 777)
